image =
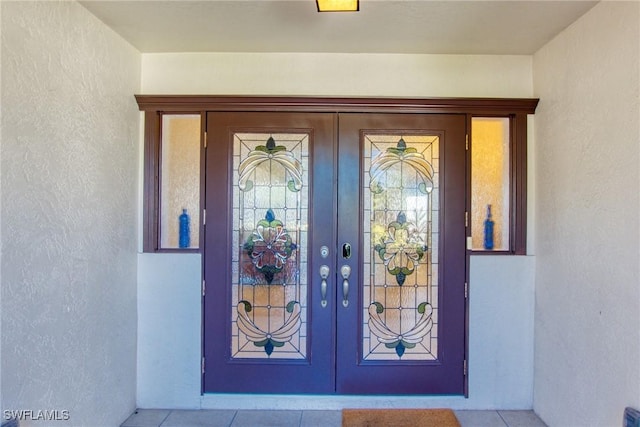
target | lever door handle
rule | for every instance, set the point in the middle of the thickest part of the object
(324, 274)
(345, 270)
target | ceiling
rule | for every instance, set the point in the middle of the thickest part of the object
(407, 26)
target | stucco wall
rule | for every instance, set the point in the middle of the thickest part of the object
(587, 339)
(68, 219)
(314, 74)
(501, 352)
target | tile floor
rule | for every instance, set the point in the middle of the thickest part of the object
(245, 418)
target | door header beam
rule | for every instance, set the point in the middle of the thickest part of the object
(486, 106)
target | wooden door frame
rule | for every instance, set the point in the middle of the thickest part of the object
(516, 109)
(444, 374)
(226, 373)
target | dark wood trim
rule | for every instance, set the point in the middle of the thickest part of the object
(467, 257)
(469, 182)
(483, 252)
(151, 174)
(203, 174)
(179, 103)
(519, 123)
(203, 230)
(177, 250)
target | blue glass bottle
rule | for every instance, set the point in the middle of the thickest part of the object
(488, 230)
(185, 232)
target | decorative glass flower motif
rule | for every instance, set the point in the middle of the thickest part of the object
(402, 248)
(269, 246)
(270, 153)
(403, 155)
(397, 339)
(267, 339)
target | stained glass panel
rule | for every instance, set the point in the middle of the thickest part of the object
(269, 262)
(400, 294)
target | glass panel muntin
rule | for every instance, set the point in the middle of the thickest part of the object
(400, 241)
(269, 261)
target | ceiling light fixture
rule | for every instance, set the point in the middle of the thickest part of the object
(338, 5)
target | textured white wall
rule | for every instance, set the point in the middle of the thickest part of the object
(69, 188)
(500, 355)
(587, 339)
(501, 352)
(313, 74)
(169, 330)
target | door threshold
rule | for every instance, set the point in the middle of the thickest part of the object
(330, 402)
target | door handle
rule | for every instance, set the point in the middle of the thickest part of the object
(345, 270)
(324, 273)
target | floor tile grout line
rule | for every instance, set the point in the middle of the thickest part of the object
(235, 414)
(165, 418)
(502, 418)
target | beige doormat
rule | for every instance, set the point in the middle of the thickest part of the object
(399, 418)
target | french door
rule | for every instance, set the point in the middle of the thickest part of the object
(334, 255)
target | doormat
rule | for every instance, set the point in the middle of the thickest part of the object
(399, 418)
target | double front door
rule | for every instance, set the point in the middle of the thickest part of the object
(334, 253)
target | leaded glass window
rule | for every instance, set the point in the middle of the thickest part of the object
(401, 208)
(269, 261)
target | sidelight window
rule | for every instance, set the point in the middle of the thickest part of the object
(490, 183)
(172, 182)
(497, 191)
(496, 179)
